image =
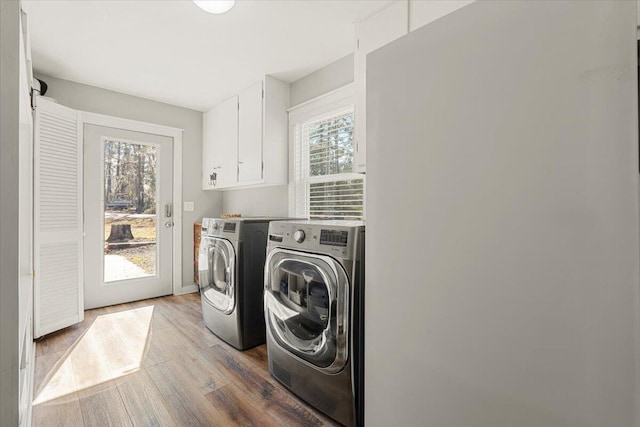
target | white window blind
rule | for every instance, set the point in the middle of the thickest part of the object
(324, 184)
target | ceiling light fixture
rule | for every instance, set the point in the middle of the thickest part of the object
(215, 6)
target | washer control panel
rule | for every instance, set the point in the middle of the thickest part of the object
(331, 239)
(334, 237)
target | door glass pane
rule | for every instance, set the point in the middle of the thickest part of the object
(130, 209)
(303, 289)
(217, 284)
(301, 305)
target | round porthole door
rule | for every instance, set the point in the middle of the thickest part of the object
(216, 262)
(307, 306)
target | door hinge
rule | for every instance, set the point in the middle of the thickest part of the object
(357, 44)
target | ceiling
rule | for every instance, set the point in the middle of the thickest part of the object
(172, 51)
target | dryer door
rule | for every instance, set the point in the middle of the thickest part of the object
(216, 265)
(307, 307)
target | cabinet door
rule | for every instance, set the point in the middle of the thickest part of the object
(250, 134)
(209, 165)
(372, 33)
(225, 143)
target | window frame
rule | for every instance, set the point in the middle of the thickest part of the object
(331, 104)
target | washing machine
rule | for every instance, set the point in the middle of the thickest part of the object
(231, 271)
(314, 300)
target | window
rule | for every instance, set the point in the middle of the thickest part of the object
(324, 185)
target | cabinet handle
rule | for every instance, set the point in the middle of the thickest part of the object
(240, 163)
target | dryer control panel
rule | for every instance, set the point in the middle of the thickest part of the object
(221, 227)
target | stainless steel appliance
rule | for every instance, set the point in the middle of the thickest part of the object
(314, 289)
(230, 267)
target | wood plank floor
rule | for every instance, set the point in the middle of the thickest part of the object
(154, 363)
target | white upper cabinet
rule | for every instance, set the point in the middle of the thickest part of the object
(377, 30)
(208, 161)
(275, 147)
(219, 148)
(224, 136)
(250, 134)
(245, 139)
(373, 32)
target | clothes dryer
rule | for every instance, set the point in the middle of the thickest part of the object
(314, 294)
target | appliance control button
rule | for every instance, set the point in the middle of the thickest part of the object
(298, 236)
(216, 226)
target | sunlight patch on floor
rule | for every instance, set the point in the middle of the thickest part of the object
(113, 346)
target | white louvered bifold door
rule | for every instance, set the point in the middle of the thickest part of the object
(58, 296)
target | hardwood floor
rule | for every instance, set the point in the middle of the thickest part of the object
(154, 363)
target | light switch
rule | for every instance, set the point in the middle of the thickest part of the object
(188, 206)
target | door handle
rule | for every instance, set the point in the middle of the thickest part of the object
(168, 210)
(168, 224)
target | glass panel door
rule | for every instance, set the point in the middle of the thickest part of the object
(128, 215)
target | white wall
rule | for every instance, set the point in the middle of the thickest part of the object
(326, 79)
(9, 224)
(503, 285)
(423, 12)
(274, 201)
(269, 201)
(93, 99)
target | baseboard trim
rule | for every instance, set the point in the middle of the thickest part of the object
(188, 290)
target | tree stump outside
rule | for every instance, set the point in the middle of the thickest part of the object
(120, 232)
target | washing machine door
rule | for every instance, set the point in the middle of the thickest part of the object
(307, 307)
(216, 267)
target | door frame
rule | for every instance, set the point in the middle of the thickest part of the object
(175, 133)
